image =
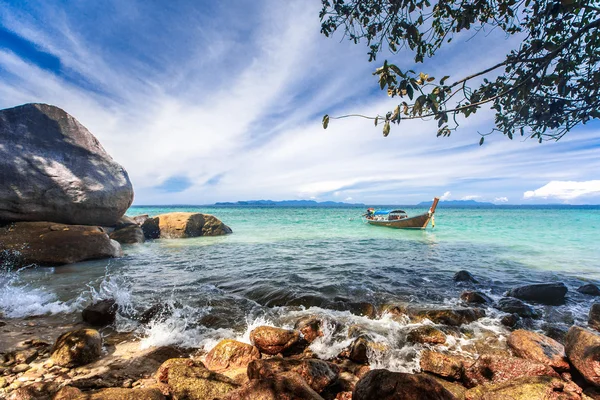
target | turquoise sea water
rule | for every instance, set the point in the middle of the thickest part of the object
(281, 263)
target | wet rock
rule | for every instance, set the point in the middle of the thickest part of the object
(162, 373)
(427, 335)
(131, 234)
(556, 332)
(149, 227)
(496, 369)
(316, 373)
(187, 224)
(310, 327)
(544, 293)
(195, 382)
(54, 169)
(358, 351)
(285, 386)
(509, 320)
(464, 276)
(537, 347)
(100, 313)
(71, 393)
(49, 243)
(589, 289)
(363, 309)
(537, 387)
(271, 340)
(450, 316)
(449, 366)
(231, 354)
(515, 306)
(471, 297)
(158, 311)
(76, 348)
(583, 351)
(25, 356)
(594, 317)
(382, 384)
(456, 389)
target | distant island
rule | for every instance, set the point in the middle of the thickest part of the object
(459, 203)
(288, 203)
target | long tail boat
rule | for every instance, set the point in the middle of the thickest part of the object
(399, 219)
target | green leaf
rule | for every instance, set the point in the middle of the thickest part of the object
(325, 121)
(410, 92)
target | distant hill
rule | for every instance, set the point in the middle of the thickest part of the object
(458, 203)
(288, 203)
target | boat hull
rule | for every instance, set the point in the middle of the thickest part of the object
(417, 222)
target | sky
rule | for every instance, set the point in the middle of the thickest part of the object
(206, 101)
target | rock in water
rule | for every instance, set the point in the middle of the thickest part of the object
(381, 384)
(583, 350)
(271, 340)
(186, 224)
(131, 234)
(545, 293)
(464, 276)
(53, 169)
(48, 243)
(76, 348)
(101, 313)
(516, 306)
(537, 347)
(589, 289)
(594, 317)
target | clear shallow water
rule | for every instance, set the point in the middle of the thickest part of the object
(281, 263)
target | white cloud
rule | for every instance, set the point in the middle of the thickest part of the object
(348, 199)
(501, 199)
(471, 197)
(445, 196)
(565, 190)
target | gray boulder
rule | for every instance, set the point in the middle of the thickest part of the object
(544, 293)
(53, 169)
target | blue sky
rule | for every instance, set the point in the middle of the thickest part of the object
(222, 101)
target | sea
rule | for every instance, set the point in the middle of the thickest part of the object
(284, 263)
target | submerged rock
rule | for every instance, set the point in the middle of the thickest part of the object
(496, 369)
(310, 327)
(446, 316)
(427, 335)
(594, 317)
(48, 243)
(540, 348)
(316, 373)
(516, 306)
(381, 384)
(464, 276)
(544, 293)
(284, 386)
(471, 297)
(54, 169)
(76, 348)
(230, 353)
(101, 313)
(271, 340)
(131, 234)
(186, 224)
(583, 350)
(589, 289)
(528, 387)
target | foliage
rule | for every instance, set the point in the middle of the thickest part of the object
(542, 89)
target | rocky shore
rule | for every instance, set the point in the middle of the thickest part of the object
(89, 360)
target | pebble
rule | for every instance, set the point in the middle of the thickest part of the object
(20, 368)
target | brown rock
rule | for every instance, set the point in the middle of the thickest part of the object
(316, 373)
(69, 393)
(131, 234)
(527, 388)
(100, 313)
(310, 327)
(449, 316)
(472, 297)
(537, 347)
(187, 224)
(271, 340)
(381, 384)
(343, 396)
(456, 389)
(426, 334)
(49, 243)
(284, 386)
(497, 369)
(231, 354)
(446, 365)
(594, 317)
(162, 374)
(195, 382)
(76, 348)
(583, 350)
(358, 351)
(589, 289)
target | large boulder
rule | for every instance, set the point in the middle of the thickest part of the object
(230, 353)
(516, 306)
(285, 386)
(192, 381)
(537, 347)
(544, 293)
(583, 350)
(496, 369)
(49, 243)
(446, 316)
(131, 234)
(382, 384)
(527, 388)
(272, 340)
(187, 224)
(589, 289)
(451, 366)
(53, 169)
(76, 348)
(316, 373)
